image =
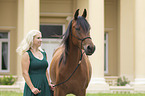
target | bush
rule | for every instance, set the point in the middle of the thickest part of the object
(7, 80)
(122, 81)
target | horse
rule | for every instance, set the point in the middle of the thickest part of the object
(70, 68)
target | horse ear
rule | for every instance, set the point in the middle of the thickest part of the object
(84, 13)
(76, 14)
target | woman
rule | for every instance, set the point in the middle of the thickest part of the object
(34, 65)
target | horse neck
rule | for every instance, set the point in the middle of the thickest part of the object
(74, 54)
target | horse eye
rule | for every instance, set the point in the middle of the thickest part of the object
(78, 29)
(38, 37)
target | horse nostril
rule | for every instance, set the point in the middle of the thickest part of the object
(89, 48)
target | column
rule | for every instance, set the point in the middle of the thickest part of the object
(28, 19)
(96, 20)
(126, 39)
(31, 15)
(139, 84)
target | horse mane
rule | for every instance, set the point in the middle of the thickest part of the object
(65, 42)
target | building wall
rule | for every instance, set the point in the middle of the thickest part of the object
(8, 22)
(56, 6)
(50, 14)
(111, 28)
(119, 23)
(56, 12)
(127, 39)
(121, 38)
(122, 20)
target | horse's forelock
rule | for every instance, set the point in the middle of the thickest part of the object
(83, 23)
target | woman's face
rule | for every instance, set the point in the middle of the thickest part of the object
(37, 40)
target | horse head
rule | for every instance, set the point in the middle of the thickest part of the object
(80, 33)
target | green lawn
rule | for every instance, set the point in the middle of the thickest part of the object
(10, 94)
(20, 94)
(115, 94)
(112, 95)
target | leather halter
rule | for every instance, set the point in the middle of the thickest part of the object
(81, 39)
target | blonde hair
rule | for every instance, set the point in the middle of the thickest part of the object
(27, 42)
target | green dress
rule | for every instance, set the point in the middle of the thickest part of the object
(37, 73)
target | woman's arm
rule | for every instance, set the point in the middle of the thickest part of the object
(52, 88)
(25, 67)
(47, 77)
(51, 85)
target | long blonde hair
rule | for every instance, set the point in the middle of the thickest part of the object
(27, 42)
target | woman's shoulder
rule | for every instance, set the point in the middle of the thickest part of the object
(25, 55)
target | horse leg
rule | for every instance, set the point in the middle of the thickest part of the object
(59, 92)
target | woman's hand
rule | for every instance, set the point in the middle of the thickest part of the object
(52, 88)
(35, 91)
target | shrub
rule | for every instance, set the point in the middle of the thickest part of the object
(122, 81)
(7, 80)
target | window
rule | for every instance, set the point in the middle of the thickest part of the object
(106, 52)
(4, 51)
(51, 31)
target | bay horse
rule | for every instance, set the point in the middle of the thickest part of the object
(70, 69)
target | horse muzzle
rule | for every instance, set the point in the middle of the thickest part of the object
(89, 50)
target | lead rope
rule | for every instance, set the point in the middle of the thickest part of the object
(73, 71)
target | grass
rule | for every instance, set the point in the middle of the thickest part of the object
(2, 93)
(115, 94)
(107, 94)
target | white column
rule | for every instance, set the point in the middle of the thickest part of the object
(31, 15)
(28, 19)
(96, 20)
(20, 34)
(139, 46)
(126, 39)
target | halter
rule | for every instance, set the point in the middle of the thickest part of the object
(81, 39)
